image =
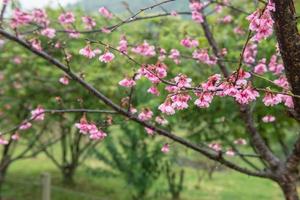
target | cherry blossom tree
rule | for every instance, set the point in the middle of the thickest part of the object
(235, 79)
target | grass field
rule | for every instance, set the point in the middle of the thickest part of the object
(23, 184)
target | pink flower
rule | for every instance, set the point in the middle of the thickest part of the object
(230, 152)
(105, 30)
(144, 49)
(215, 146)
(174, 13)
(49, 32)
(38, 114)
(36, 44)
(180, 101)
(162, 54)
(97, 134)
(123, 45)
(83, 126)
(238, 30)
(167, 108)
(40, 16)
(15, 137)
(104, 12)
(149, 131)
(282, 82)
(73, 33)
(145, 115)
(196, 8)
(3, 141)
(189, 43)
(175, 56)
(160, 120)
(262, 24)
(201, 55)
(64, 80)
(246, 95)
(66, 18)
(183, 81)
(153, 90)
(25, 126)
(288, 101)
(240, 141)
(89, 22)
(268, 119)
(204, 99)
(20, 18)
(165, 148)
(227, 19)
(107, 57)
(271, 99)
(261, 68)
(127, 82)
(17, 60)
(87, 52)
(250, 53)
(274, 66)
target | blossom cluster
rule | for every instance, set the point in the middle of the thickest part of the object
(91, 129)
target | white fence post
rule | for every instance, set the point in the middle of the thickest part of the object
(46, 186)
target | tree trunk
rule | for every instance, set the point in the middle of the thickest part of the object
(68, 173)
(289, 190)
(3, 171)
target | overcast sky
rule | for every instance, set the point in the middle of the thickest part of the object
(27, 4)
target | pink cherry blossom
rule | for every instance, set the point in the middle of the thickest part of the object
(271, 99)
(250, 53)
(240, 141)
(215, 146)
(275, 67)
(66, 18)
(145, 115)
(167, 108)
(182, 81)
(107, 57)
(40, 16)
(247, 95)
(175, 56)
(83, 126)
(165, 148)
(127, 82)
(153, 90)
(97, 134)
(25, 126)
(160, 120)
(282, 82)
(105, 12)
(20, 18)
(3, 141)
(36, 44)
(87, 52)
(162, 54)
(201, 55)
(49, 32)
(64, 80)
(261, 68)
(262, 24)
(15, 137)
(238, 30)
(144, 49)
(230, 152)
(73, 33)
(88, 22)
(180, 101)
(38, 114)
(149, 131)
(287, 100)
(189, 43)
(204, 99)
(123, 45)
(226, 19)
(268, 119)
